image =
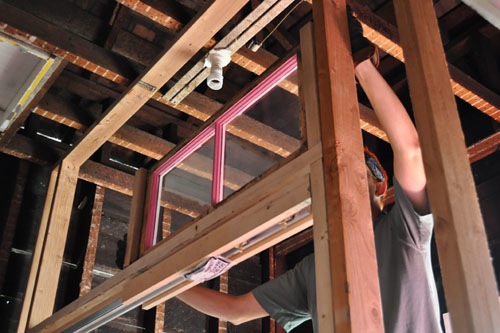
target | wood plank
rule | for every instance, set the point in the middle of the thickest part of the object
(154, 111)
(152, 13)
(122, 182)
(166, 228)
(191, 40)
(258, 62)
(202, 107)
(484, 148)
(310, 102)
(386, 37)
(468, 278)
(132, 250)
(63, 112)
(225, 239)
(95, 223)
(65, 15)
(253, 250)
(264, 13)
(37, 253)
(199, 112)
(58, 41)
(54, 243)
(251, 199)
(345, 241)
(27, 149)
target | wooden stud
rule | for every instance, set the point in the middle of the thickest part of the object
(54, 243)
(274, 198)
(345, 248)
(469, 282)
(193, 37)
(38, 252)
(132, 250)
(95, 223)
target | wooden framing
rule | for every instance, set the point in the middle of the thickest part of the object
(344, 246)
(270, 201)
(90, 253)
(469, 281)
(40, 292)
(58, 210)
(135, 225)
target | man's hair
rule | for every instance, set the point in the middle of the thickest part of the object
(376, 169)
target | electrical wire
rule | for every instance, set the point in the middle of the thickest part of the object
(278, 24)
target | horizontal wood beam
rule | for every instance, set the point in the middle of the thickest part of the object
(266, 11)
(122, 182)
(68, 46)
(483, 148)
(386, 37)
(56, 109)
(287, 189)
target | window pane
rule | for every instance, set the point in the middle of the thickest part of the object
(186, 190)
(274, 122)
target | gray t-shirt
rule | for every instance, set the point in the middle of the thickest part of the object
(409, 297)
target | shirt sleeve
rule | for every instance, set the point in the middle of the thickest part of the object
(286, 297)
(410, 226)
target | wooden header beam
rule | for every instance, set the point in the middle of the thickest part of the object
(468, 278)
(274, 198)
(58, 211)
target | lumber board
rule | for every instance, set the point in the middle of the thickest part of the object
(136, 219)
(66, 15)
(483, 148)
(220, 238)
(250, 203)
(468, 278)
(58, 41)
(284, 233)
(90, 253)
(27, 149)
(54, 242)
(142, 142)
(13, 212)
(122, 182)
(350, 252)
(191, 39)
(386, 37)
(37, 253)
(310, 101)
(264, 13)
(308, 97)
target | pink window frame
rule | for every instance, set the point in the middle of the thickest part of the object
(217, 130)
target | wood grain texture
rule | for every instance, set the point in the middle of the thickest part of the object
(469, 282)
(356, 299)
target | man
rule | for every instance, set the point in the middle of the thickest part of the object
(402, 235)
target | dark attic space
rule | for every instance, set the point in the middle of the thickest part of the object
(110, 143)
